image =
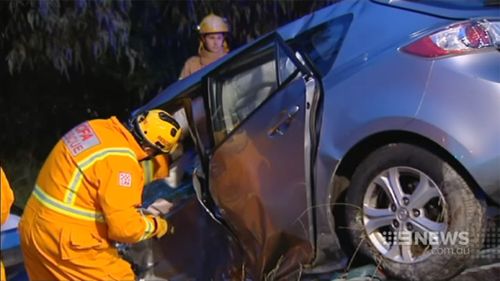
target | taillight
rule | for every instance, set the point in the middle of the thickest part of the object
(461, 38)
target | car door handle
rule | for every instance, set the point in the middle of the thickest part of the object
(282, 125)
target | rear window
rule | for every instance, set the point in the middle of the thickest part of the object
(460, 4)
(321, 44)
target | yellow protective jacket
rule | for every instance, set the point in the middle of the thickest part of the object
(196, 63)
(87, 195)
(6, 200)
(156, 168)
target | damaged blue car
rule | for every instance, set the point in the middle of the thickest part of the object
(368, 128)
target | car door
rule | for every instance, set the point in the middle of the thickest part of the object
(259, 170)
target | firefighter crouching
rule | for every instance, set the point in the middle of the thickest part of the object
(88, 194)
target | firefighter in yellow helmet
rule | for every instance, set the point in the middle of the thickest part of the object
(88, 196)
(6, 200)
(213, 44)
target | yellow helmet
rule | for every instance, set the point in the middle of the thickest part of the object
(213, 24)
(158, 129)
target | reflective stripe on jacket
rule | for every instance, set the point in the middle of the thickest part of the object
(156, 168)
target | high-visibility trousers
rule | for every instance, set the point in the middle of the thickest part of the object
(57, 247)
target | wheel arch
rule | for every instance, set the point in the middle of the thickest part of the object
(348, 163)
(369, 144)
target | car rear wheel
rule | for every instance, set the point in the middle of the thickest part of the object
(413, 213)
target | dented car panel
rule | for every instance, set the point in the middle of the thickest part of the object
(262, 196)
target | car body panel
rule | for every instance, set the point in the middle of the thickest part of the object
(386, 103)
(265, 198)
(474, 128)
(445, 8)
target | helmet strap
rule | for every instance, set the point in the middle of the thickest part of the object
(133, 127)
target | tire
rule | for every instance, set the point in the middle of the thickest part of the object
(385, 223)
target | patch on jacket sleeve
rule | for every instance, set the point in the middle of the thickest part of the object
(80, 138)
(124, 179)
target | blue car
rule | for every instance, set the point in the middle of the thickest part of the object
(368, 128)
(10, 246)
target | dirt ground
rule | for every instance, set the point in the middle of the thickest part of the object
(485, 268)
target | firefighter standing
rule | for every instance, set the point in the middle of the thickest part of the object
(87, 195)
(7, 198)
(213, 44)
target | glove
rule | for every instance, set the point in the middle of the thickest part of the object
(159, 207)
(161, 227)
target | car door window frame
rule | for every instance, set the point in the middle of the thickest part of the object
(274, 44)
